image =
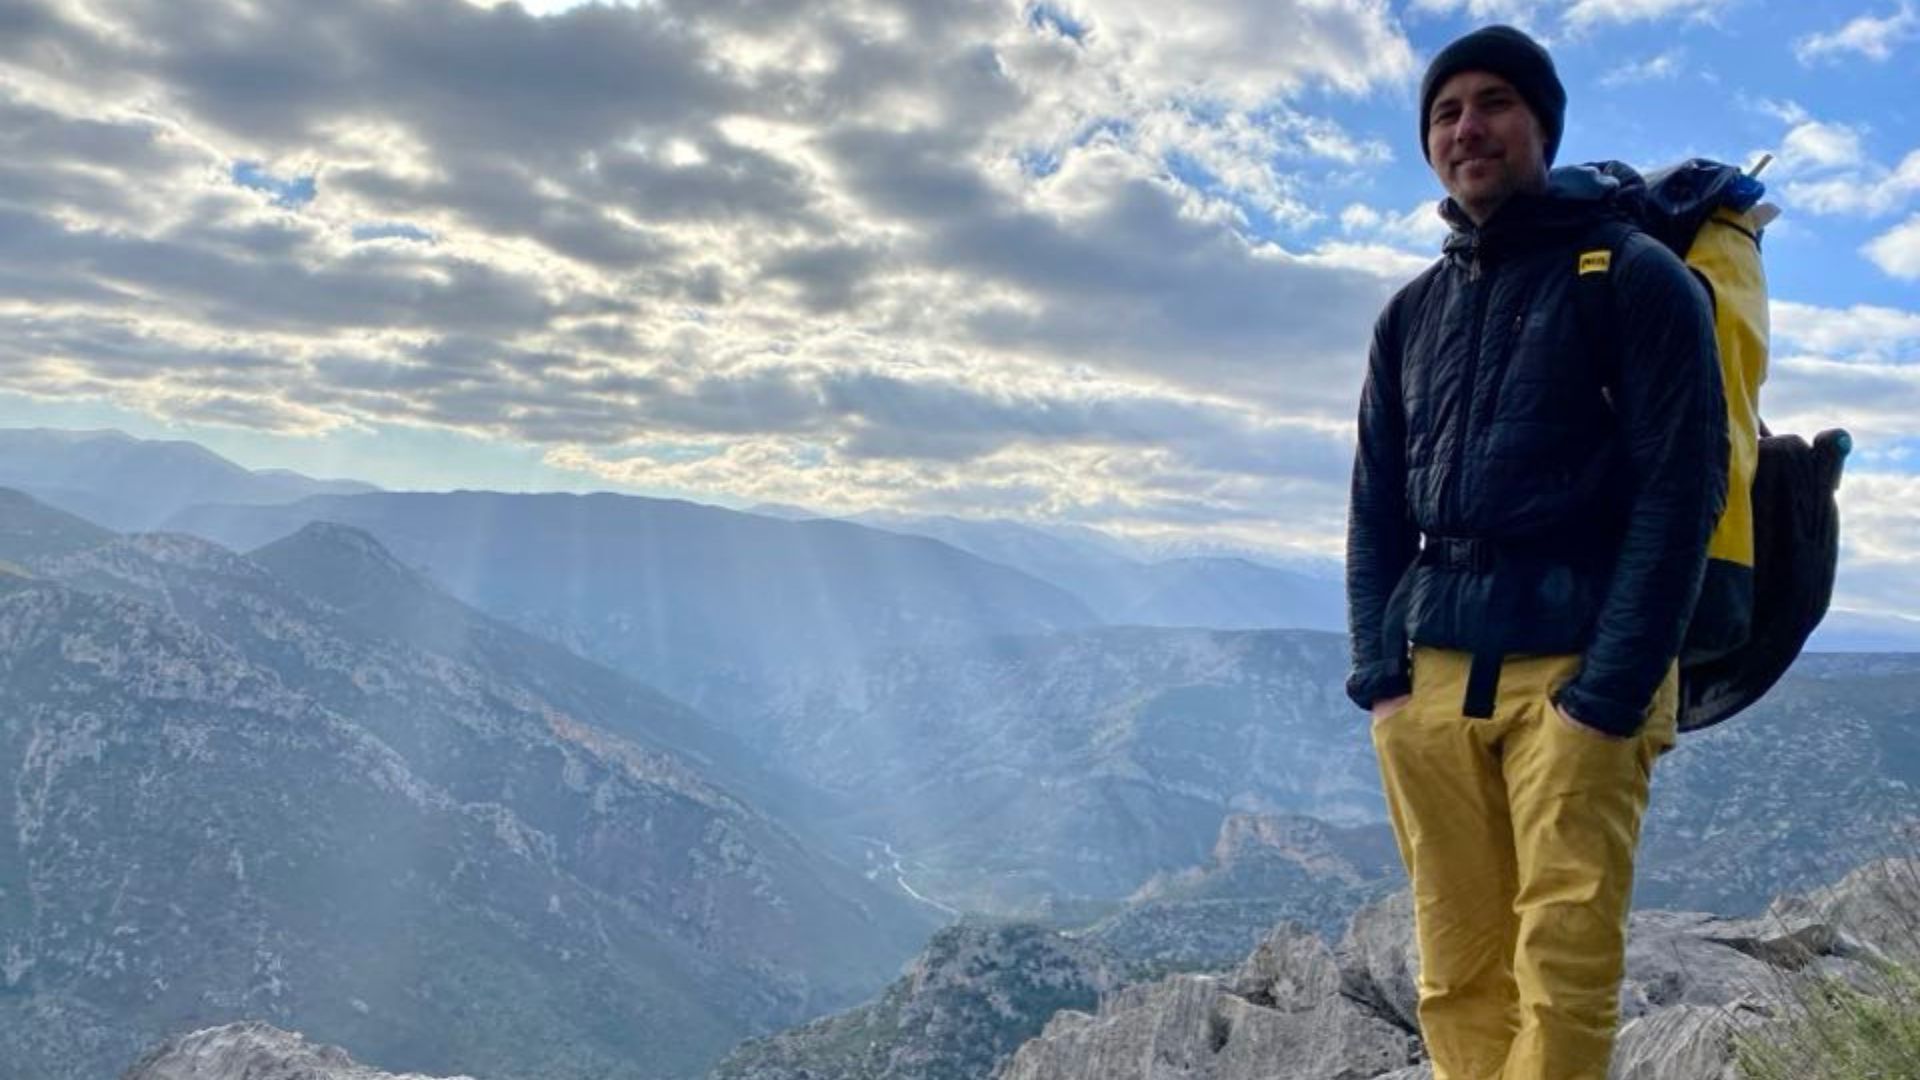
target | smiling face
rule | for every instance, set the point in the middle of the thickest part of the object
(1484, 143)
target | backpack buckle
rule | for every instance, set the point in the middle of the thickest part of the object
(1458, 553)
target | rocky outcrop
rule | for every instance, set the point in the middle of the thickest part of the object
(1265, 869)
(254, 1051)
(1296, 1010)
(1280, 1016)
(978, 991)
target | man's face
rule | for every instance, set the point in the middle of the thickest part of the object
(1484, 143)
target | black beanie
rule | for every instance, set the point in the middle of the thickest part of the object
(1513, 56)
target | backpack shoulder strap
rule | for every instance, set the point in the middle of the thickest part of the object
(1593, 296)
(1593, 293)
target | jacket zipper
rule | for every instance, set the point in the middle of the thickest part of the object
(1479, 313)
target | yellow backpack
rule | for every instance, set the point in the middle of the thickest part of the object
(1771, 560)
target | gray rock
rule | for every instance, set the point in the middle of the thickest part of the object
(1280, 1016)
(1878, 904)
(1295, 1009)
(1685, 1042)
(975, 994)
(254, 1051)
(1690, 959)
(1380, 961)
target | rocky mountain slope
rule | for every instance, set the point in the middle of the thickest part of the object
(30, 529)
(232, 802)
(975, 993)
(1819, 776)
(1263, 870)
(371, 591)
(1078, 764)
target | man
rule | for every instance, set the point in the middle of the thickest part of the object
(1528, 530)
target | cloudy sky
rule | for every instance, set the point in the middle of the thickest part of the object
(1067, 261)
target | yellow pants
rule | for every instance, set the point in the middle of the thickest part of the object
(1518, 833)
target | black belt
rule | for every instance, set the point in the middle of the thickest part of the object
(1480, 556)
(1458, 553)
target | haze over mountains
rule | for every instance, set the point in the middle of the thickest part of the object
(708, 604)
(572, 786)
(1143, 583)
(115, 480)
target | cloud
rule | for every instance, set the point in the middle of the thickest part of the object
(1582, 13)
(1855, 367)
(1516, 12)
(1872, 190)
(941, 255)
(1576, 15)
(1898, 251)
(1660, 67)
(1871, 37)
(1862, 333)
(1824, 168)
(1877, 402)
(1242, 52)
(1812, 144)
(1878, 541)
(1419, 228)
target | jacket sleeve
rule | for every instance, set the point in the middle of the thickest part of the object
(1672, 418)
(1381, 538)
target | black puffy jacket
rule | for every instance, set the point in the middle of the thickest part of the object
(1566, 497)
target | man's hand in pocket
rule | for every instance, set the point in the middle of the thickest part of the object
(1388, 706)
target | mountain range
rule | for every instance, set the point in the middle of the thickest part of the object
(235, 799)
(116, 480)
(556, 785)
(709, 605)
(1141, 584)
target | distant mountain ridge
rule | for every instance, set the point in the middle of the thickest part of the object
(705, 603)
(124, 483)
(115, 480)
(1131, 584)
(1846, 631)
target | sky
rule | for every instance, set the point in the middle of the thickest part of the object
(1073, 261)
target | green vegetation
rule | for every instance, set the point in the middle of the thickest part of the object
(1862, 1027)
(1838, 1031)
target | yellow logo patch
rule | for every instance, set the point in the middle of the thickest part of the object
(1595, 262)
